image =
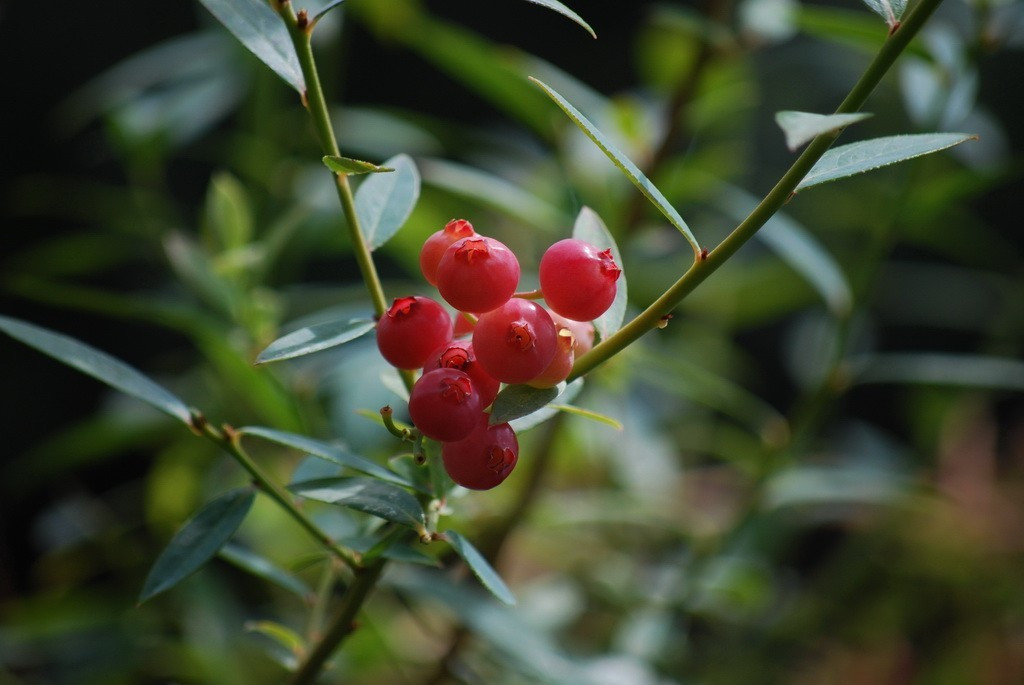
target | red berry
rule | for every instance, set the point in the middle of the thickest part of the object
(577, 280)
(411, 329)
(484, 458)
(436, 244)
(560, 367)
(444, 405)
(515, 342)
(458, 354)
(463, 326)
(477, 274)
(582, 331)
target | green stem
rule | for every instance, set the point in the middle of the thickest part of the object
(772, 202)
(316, 104)
(343, 624)
(229, 440)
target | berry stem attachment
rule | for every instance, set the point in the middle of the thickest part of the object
(530, 295)
(387, 415)
(314, 101)
(772, 202)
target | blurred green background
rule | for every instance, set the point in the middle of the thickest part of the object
(820, 475)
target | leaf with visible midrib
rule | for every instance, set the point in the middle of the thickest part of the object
(481, 569)
(385, 201)
(890, 10)
(348, 166)
(263, 32)
(623, 163)
(195, 544)
(520, 400)
(314, 338)
(366, 495)
(590, 229)
(856, 158)
(99, 365)
(800, 127)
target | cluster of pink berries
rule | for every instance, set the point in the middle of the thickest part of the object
(513, 339)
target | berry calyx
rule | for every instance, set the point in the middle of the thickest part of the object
(484, 458)
(578, 280)
(458, 354)
(477, 274)
(582, 331)
(411, 329)
(434, 246)
(515, 342)
(444, 405)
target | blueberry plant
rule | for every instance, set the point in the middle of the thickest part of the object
(483, 356)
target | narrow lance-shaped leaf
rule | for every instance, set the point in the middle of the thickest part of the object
(290, 646)
(525, 423)
(264, 568)
(476, 562)
(856, 158)
(197, 543)
(590, 229)
(624, 164)
(588, 414)
(263, 32)
(314, 338)
(327, 8)
(520, 400)
(366, 495)
(99, 365)
(565, 11)
(350, 167)
(325, 451)
(801, 127)
(385, 201)
(890, 10)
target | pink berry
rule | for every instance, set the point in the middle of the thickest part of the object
(582, 331)
(577, 280)
(463, 326)
(477, 274)
(483, 459)
(444, 405)
(437, 243)
(515, 342)
(458, 354)
(560, 367)
(411, 329)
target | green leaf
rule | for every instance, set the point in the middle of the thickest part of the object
(520, 400)
(624, 164)
(795, 246)
(972, 371)
(247, 560)
(263, 32)
(314, 338)
(856, 158)
(588, 414)
(385, 201)
(327, 8)
(366, 495)
(409, 554)
(325, 451)
(99, 365)
(890, 10)
(345, 165)
(590, 229)
(291, 645)
(565, 11)
(801, 127)
(476, 562)
(195, 544)
(533, 420)
(227, 212)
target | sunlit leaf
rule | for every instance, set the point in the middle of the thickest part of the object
(314, 338)
(263, 32)
(324, 451)
(801, 127)
(348, 166)
(366, 495)
(515, 401)
(197, 543)
(590, 229)
(99, 365)
(624, 164)
(565, 11)
(476, 562)
(588, 414)
(538, 417)
(385, 201)
(262, 567)
(890, 10)
(291, 645)
(856, 158)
